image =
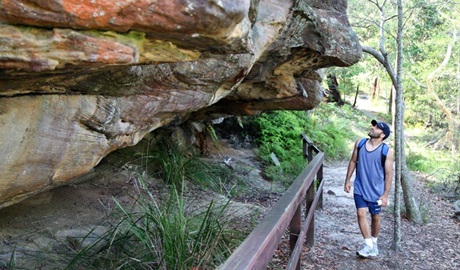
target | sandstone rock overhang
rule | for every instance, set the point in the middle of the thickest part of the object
(80, 79)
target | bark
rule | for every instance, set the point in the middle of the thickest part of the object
(334, 89)
(413, 211)
(399, 144)
(390, 104)
(356, 96)
(374, 89)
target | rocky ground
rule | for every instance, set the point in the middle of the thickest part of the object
(37, 227)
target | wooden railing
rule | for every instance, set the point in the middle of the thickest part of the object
(258, 248)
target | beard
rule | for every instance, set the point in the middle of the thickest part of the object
(373, 134)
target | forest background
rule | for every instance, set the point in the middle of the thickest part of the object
(430, 77)
(430, 80)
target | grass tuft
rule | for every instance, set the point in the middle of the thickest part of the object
(159, 235)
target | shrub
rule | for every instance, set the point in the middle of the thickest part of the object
(278, 132)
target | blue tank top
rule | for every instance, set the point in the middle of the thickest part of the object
(370, 175)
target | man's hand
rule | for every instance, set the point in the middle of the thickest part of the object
(347, 187)
(385, 201)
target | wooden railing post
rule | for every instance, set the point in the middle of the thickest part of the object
(294, 230)
(309, 147)
(310, 237)
(304, 147)
(319, 178)
(310, 153)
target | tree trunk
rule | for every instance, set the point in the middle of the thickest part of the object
(356, 96)
(391, 101)
(374, 89)
(399, 143)
(334, 89)
(451, 121)
(406, 183)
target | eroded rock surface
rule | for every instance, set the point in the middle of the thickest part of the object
(80, 79)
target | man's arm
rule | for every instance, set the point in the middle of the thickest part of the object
(351, 168)
(388, 177)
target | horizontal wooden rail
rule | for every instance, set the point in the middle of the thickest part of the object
(258, 248)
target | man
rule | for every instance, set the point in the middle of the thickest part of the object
(374, 174)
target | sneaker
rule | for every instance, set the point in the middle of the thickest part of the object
(375, 249)
(367, 252)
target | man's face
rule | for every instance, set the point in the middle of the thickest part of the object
(375, 132)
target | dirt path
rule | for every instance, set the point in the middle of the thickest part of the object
(434, 245)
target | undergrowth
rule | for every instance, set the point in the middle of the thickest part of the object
(174, 167)
(165, 232)
(160, 234)
(332, 129)
(441, 168)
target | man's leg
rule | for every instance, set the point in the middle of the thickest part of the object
(375, 225)
(361, 210)
(375, 229)
(367, 250)
(361, 213)
(362, 222)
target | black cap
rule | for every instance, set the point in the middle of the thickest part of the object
(383, 126)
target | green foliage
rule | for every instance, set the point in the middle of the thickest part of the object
(423, 159)
(160, 235)
(213, 135)
(348, 78)
(279, 133)
(174, 167)
(442, 170)
(428, 28)
(332, 129)
(417, 162)
(447, 178)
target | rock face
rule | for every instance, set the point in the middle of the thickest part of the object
(80, 79)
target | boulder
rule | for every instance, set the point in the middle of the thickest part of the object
(80, 79)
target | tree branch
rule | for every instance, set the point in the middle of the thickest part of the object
(382, 60)
(376, 54)
(415, 80)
